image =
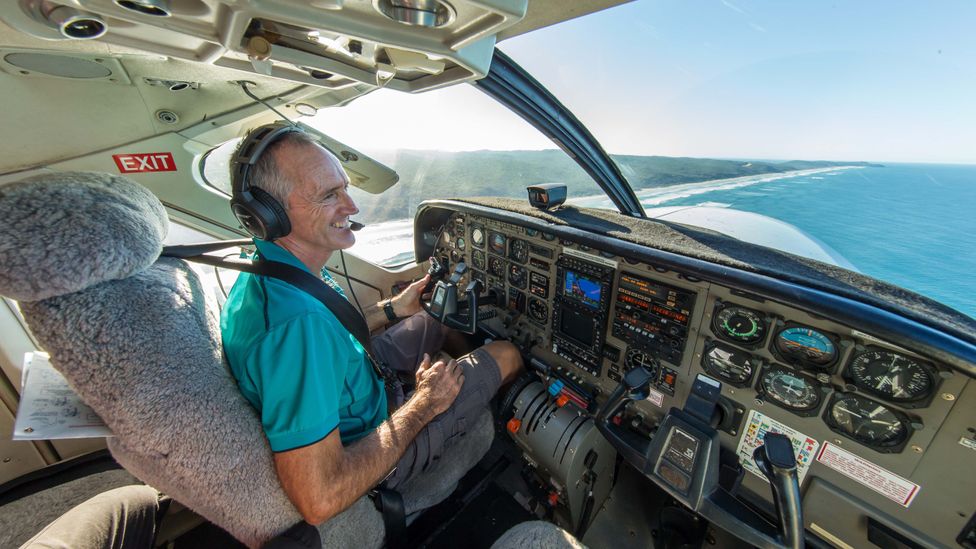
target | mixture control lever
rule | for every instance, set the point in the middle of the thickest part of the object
(776, 460)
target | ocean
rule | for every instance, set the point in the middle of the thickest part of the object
(912, 225)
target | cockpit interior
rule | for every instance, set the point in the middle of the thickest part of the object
(682, 388)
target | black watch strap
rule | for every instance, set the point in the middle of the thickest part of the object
(388, 309)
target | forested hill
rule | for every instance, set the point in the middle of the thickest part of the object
(438, 174)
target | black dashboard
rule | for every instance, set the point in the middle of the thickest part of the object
(875, 424)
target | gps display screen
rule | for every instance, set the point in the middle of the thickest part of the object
(582, 289)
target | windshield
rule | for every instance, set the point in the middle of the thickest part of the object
(852, 122)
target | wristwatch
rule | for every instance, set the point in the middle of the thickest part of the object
(388, 309)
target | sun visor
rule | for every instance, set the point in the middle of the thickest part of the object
(364, 172)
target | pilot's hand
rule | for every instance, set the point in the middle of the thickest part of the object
(438, 384)
(407, 302)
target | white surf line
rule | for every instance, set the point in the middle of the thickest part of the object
(657, 195)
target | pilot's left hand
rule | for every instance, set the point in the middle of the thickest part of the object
(407, 302)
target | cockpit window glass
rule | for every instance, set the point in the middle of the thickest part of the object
(215, 166)
(840, 131)
(449, 143)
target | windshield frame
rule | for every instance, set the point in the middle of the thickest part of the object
(513, 87)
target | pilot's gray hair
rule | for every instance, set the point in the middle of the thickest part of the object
(266, 174)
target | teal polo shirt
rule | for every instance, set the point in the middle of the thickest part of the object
(295, 363)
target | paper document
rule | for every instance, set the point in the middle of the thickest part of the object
(49, 408)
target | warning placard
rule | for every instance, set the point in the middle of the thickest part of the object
(875, 477)
(755, 431)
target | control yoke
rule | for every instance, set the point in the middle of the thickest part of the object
(445, 305)
(683, 459)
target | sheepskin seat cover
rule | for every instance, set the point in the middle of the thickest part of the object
(137, 340)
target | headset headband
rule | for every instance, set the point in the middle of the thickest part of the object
(250, 151)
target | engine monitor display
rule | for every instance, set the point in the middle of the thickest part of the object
(585, 290)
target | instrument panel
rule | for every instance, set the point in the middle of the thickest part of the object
(592, 315)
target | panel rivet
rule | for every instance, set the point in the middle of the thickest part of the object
(916, 448)
(948, 396)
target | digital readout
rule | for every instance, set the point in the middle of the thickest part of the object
(583, 289)
(659, 300)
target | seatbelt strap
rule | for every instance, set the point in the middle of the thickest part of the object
(390, 504)
(344, 311)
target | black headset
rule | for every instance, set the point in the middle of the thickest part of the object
(260, 214)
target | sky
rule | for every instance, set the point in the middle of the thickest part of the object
(887, 81)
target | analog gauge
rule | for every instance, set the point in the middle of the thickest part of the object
(806, 346)
(496, 266)
(890, 375)
(496, 241)
(739, 325)
(517, 276)
(729, 364)
(790, 390)
(459, 243)
(478, 259)
(478, 237)
(538, 310)
(518, 250)
(532, 232)
(548, 237)
(867, 421)
(637, 357)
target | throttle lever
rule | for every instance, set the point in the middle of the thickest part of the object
(777, 461)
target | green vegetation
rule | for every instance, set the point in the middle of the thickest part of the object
(438, 174)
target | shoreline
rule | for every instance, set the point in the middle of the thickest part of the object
(710, 184)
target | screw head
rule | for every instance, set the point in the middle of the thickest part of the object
(948, 396)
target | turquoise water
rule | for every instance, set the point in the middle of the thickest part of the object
(913, 225)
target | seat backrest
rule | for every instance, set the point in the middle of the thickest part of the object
(137, 340)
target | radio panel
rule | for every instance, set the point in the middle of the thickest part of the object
(652, 316)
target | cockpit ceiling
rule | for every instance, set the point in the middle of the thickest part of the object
(409, 46)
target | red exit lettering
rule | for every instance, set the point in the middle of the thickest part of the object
(145, 162)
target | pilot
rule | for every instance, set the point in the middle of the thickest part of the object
(323, 409)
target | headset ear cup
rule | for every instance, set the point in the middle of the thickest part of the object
(273, 216)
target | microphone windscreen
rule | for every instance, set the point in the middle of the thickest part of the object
(355, 225)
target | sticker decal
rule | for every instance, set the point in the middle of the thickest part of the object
(757, 425)
(145, 162)
(875, 477)
(655, 397)
(968, 443)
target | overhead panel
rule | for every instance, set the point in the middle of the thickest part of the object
(407, 45)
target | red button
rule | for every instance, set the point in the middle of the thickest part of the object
(513, 425)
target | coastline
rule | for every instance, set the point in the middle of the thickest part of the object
(670, 192)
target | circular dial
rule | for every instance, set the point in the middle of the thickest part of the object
(517, 276)
(518, 250)
(496, 266)
(890, 375)
(637, 357)
(478, 259)
(790, 390)
(538, 310)
(478, 237)
(867, 421)
(728, 363)
(459, 243)
(496, 241)
(739, 324)
(806, 346)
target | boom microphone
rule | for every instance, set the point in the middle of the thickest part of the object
(355, 225)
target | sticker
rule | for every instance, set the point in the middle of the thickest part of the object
(757, 425)
(882, 481)
(145, 162)
(968, 443)
(590, 257)
(655, 397)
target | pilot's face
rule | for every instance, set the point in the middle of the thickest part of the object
(319, 205)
